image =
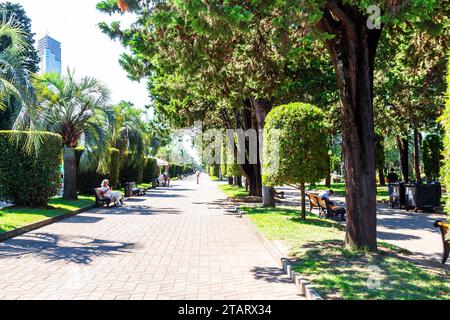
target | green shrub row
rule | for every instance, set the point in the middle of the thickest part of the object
(177, 170)
(29, 178)
(151, 170)
(90, 179)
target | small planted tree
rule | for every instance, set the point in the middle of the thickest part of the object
(300, 156)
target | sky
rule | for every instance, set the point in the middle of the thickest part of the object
(84, 47)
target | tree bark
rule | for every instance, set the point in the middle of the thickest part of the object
(303, 200)
(268, 193)
(403, 149)
(352, 50)
(328, 177)
(70, 174)
(380, 158)
(417, 138)
(238, 181)
(230, 181)
(262, 108)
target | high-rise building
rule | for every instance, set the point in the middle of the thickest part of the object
(50, 53)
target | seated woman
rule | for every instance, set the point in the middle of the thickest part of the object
(107, 192)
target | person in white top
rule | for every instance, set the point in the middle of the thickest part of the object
(326, 195)
(197, 174)
(107, 192)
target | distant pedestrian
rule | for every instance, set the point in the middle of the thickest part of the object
(391, 178)
(197, 174)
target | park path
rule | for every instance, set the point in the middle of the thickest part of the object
(175, 243)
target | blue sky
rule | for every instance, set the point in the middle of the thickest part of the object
(84, 47)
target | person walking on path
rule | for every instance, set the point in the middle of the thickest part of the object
(197, 174)
(391, 178)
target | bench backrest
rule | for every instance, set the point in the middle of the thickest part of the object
(313, 199)
(98, 194)
(322, 203)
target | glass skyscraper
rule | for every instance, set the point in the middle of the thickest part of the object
(49, 51)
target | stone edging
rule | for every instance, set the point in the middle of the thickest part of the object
(17, 232)
(305, 287)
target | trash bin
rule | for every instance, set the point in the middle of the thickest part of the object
(128, 189)
(423, 196)
(397, 196)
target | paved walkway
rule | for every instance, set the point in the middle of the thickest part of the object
(409, 230)
(176, 243)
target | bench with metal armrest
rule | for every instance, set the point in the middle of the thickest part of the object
(444, 228)
(101, 200)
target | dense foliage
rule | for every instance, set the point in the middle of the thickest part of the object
(445, 121)
(300, 156)
(29, 179)
(90, 178)
(432, 147)
(151, 170)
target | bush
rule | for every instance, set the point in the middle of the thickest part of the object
(29, 178)
(151, 170)
(90, 179)
(301, 154)
(131, 169)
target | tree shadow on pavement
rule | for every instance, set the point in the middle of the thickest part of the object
(270, 274)
(53, 247)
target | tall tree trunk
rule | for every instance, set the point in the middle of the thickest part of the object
(380, 158)
(303, 200)
(403, 149)
(238, 181)
(230, 181)
(353, 50)
(417, 138)
(328, 177)
(246, 120)
(70, 174)
(262, 108)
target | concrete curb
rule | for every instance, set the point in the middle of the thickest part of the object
(17, 232)
(305, 287)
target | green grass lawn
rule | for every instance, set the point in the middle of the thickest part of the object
(232, 191)
(13, 217)
(339, 273)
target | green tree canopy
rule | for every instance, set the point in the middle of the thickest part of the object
(301, 155)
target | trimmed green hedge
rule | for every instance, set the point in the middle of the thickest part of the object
(29, 178)
(151, 170)
(131, 170)
(90, 179)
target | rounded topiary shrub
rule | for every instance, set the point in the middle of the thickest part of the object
(131, 169)
(29, 178)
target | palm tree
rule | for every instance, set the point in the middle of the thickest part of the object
(79, 112)
(131, 132)
(14, 71)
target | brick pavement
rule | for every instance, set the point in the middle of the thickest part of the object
(175, 243)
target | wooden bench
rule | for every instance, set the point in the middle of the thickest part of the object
(279, 194)
(135, 191)
(101, 201)
(444, 227)
(328, 210)
(314, 202)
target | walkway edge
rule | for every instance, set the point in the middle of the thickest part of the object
(17, 232)
(305, 287)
